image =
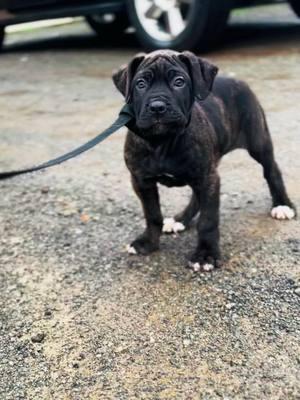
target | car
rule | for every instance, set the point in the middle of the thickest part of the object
(175, 24)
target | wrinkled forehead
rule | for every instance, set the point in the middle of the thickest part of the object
(160, 64)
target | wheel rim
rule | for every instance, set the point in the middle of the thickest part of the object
(164, 20)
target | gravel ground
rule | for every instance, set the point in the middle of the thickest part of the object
(82, 320)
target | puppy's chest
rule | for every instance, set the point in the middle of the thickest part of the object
(170, 168)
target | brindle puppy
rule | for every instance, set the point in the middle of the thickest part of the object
(186, 120)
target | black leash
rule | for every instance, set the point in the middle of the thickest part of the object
(125, 116)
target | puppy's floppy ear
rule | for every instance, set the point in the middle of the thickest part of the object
(202, 72)
(122, 78)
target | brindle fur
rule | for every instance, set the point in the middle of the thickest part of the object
(187, 151)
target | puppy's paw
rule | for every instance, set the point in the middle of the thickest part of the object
(142, 245)
(130, 249)
(283, 212)
(197, 267)
(172, 226)
(205, 262)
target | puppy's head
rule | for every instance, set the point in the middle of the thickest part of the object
(162, 87)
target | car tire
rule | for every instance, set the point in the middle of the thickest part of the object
(204, 21)
(2, 34)
(108, 24)
(295, 4)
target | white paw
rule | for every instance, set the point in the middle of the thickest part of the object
(283, 212)
(196, 267)
(130, 249)
(172, 226)
(208, 267)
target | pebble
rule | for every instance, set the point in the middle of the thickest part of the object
(84, 218)
(16, 240)
(38, 338)
(48, 313)
(66, 208)
(297, 291)
(152, 340)
(120, 349)
(45, 190)
(229, 306)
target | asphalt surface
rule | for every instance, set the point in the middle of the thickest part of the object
(80, 319)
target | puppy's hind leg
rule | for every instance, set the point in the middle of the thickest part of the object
(260, 147)
(182, 220)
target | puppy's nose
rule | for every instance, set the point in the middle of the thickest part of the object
(158, 107)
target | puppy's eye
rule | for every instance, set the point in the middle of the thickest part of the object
(179, 81)
(141, 84)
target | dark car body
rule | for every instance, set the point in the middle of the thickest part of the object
(18, 11)
(202, 22)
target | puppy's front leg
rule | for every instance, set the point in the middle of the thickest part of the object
(149, 240)
(207, 254)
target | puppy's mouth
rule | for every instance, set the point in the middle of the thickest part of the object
(161, 124)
